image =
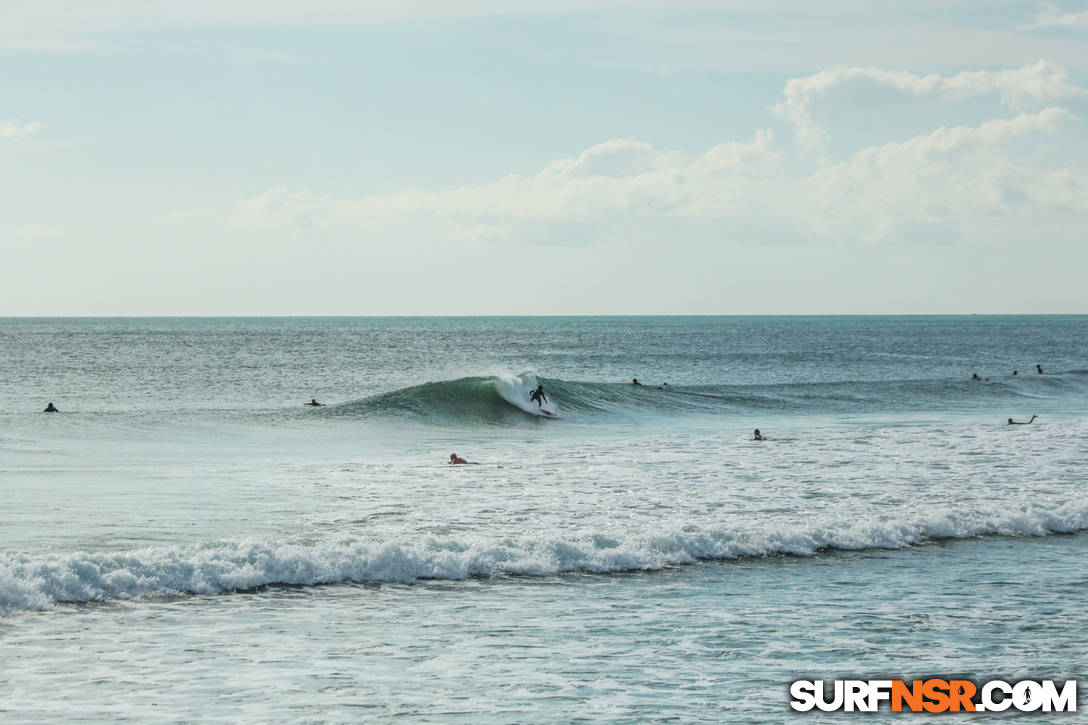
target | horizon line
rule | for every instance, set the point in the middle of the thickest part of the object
(526, 315)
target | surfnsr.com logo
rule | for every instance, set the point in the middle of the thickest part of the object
(934, 695)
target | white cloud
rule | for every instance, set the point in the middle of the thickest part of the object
(949, 179)
(618, 158)
(16, 129)
(1052, 16)
(1038, 82)
(940, 184)
(279, 208)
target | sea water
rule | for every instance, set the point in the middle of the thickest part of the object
(187, 541)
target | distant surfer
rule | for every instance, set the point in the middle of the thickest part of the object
(757, 436)
(1014, 372)
(1014, 422)
(635, 382)
(313, 403)
(51, 409)
(538, 396)
(1039, 369)
(974, 376)
(457, 460)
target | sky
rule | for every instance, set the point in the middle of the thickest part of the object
(336, 157)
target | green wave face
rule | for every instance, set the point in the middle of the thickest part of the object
(504, 400)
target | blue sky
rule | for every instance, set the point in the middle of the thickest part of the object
(543, 158)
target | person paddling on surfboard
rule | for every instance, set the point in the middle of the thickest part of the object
(1016, 422)
(51, 409)
(313, 403)
(538, 396)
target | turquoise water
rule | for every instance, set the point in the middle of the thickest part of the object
(193, 543)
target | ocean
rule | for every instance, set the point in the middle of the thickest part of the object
(187, 541)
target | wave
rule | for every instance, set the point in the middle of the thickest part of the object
(518, 391)
(41, 582)
(493, 399)
(504, 399)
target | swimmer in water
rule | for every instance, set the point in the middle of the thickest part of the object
(538, 396)
(974, 376)
(313, 403)
(457, 460)
(51, 409)
(1039, 369)
(757, 436)
(1013, 422)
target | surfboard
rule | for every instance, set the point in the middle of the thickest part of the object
(540, 411)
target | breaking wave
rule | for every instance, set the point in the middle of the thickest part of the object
(40, 582)
(504, 399)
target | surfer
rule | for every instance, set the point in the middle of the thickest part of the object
(974, 376)
(757, 436)
(1039, 369)
(456, 460)
(51, 409)
(1014, 372)
(635, 382)
(313, 403)
(1014, 422)
(538, 396)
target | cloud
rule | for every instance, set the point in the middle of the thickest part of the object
(616, 158)
(279, 208)
(1019, 88)
(948, 179)
(1050, 15)
(938, 185)
(16, 129)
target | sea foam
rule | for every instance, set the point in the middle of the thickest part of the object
(40, 581)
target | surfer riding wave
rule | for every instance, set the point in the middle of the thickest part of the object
(538, 396)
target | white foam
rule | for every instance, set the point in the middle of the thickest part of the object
(39, 582)
(515, 389)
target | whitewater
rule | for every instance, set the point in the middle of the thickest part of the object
(194, 543)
